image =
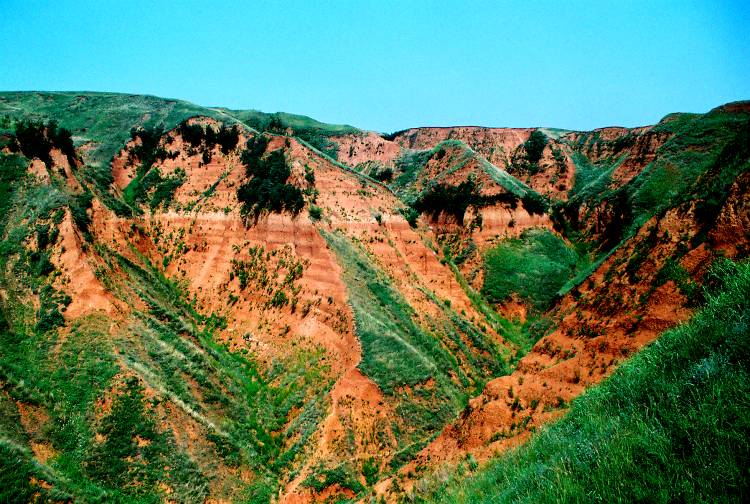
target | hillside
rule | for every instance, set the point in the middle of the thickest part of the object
(652, 423)
(205, 304)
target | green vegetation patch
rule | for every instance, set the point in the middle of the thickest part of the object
(36, 139)
(525, 159)
(206, 137)
(311, 131)
(698, 163)
(532, 267)
(343, 475)
(161, 358)
(149, 185)
(12, 171)
(396, 350)
(435, 196)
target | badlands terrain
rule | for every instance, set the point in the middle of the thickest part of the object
(211, 305)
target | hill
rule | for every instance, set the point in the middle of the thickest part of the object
(209, 304)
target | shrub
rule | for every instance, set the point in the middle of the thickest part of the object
(278, 300)
(48, 315)
(191, 133)
(450, 199)
(79, 207)
(121, 461)
(148, 150)
(534, 203)
(207, 137)
(315, 212)
(166, 187)
(343, 475)
(12, 172)
(384, 175)
(36, 139)
(370, 470)
(410, 214)
(535, 146)
(309, 176)
(267, 190)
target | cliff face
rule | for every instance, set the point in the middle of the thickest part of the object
(427, 295)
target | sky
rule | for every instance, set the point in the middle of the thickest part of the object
(385, 66)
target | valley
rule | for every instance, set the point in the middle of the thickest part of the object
(212, 305)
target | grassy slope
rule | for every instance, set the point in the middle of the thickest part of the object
(261, 120)
(695, 167)
(672, 424)
(106, 118)
(410, 164)
(102, 118)
(698, 163)
(398, 351)
(533, 267)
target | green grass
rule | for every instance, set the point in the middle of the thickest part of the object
(400, 350)
(434, 195)
(306, 128)
(532, 267)
(106, 118)
(244, 417)
(12, 171)
(711, 145)
(102, 118)
(262, 120)
(342, 475)
(672, 424)
(592, 181)
(397, 351)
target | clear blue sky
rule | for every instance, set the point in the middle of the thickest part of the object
(390, 65)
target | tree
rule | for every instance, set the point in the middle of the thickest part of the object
(535, 146)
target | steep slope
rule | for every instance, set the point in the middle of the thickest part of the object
(670, 423)
(208, 304)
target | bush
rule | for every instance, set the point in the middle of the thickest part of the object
(534, 203)
(49, 316)
(166, 187)
(267, 190)
(450, 199)
(121, 461)
(384, 175)
(79, 207)
(410, 214)
(343, 475)
(315, 212)
(535, 146)
(12, 172)
(148, 150)
(36, 140)
(191, 133)
(198, 136)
